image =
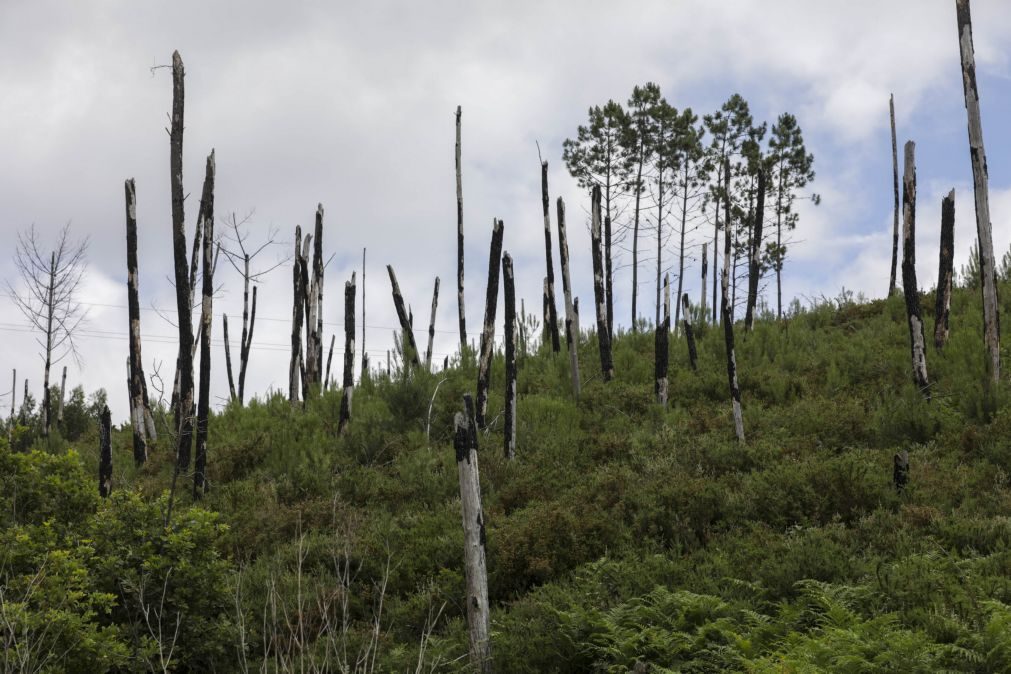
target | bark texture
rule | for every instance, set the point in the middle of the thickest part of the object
(726, 311)
(552, 327)
(206, 316)
(603, 336)
(942, 305)
(509, 290)
(431, 326)
(410, 346)
(459, 240)
(488, 334)
(705, 273)
(571, 322)
(910, 288)
(297, 309)
(349, 353)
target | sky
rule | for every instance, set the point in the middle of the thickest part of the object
(351, 104)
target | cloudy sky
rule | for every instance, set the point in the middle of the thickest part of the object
(351, 105)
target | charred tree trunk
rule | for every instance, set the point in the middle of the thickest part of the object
(228, 359)
(945, 271)
(248, 322)
(10, 423)
(728, 319)
(47, 403)
(206, 316)
(488, 334)
(478, 622)
(909, 286)
(349, 353)
(63, 393)
(410, 347)
(312, 289)
(365, 355)
(298, 304)
(509, 287)
(661, 344)
(459, 240)
(552, 317)
(184, 403)
(329, 360)
(895, 186)
(754, 254)
(608, 277)
(138, 405)
(571, 323)
(431, 326)
(980, 180)
(705, 273)
(105, 453)
(603, 337)
(689, 333)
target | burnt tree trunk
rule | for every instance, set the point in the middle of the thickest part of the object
(917, 345)
(459, 240)
(365, 355)
(661, 343)
(431, 326)
(545, 317)
(206, 316)
(294, 368)
(248, 322)
(726, 311)
(312, 289)
(63, 393)
(10, 423)
(571, 323)
(474, 536)
(693, 355)
(754, 255)
(329, 361)
(47, 403)
(228, 359)
(184, 404)
(603, 336)
(705, 273)
(945, 271)
(488, 334)
(349, 353)
(105, 453)
(552, 317)
(980, 180)
(410, 347)
(895, 188)
(509, 288)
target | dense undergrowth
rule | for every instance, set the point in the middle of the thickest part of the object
(622, 534)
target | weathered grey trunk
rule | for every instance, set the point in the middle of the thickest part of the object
(945, 271)
(431, 326)
(571, 322)
(488, 334)
(410, 347)
(206, 317)
(459, 240)
(895, 186)
(509, 289)
(603, 336)
(552, 329)
(329, 361)
(184, 405)
(475, 569)
(105, 453)
(705, 273)
(980, 183)
(689, 333)
(297, 306)
(661, 344)
(349, 353)
(910, 288)
(754, 255)
(728, 319)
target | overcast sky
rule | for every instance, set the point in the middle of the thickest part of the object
(351, 105)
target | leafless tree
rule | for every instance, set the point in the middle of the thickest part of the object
(48, 298)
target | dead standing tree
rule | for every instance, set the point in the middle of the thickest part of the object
(206, 317)
(488, 333)
(917, 346)
(571, 318)
(297, 316)
(312, 298)
(49, 300)
(603, 336)
(349, 353)
(726, 311)
(431, 326)
(105, 453)
(754, 255)
(509, 288)
(689, 333)
(705, 272)
(661, 343)
(459, 240)
(977, 155)
(942, 306)
(410, 347)
(552, 310)
(895, 186)
(140, 411)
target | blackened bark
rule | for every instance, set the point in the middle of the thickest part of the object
(410, 347)
(431, 326)
(488, 334)
(910, 288)
(556, 345)
(105, 453)
(329, 360)
(603, 337)
(728, 319)
(705, 273)
(754, 255)
(349, 353)
(137, 405)
(296, 319)
(661, 347)
(228, 358)
(609, 275)
(459, 240)
(365, 356)
(689, 333)
(312, 289)
(571, 323)
(206, 316)
(63, 393)
(981, 190)
(14, 395)
(509, 288)
(945, 271)
(895, 186)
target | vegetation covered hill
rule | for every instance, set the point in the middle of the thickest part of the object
(623, 537)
